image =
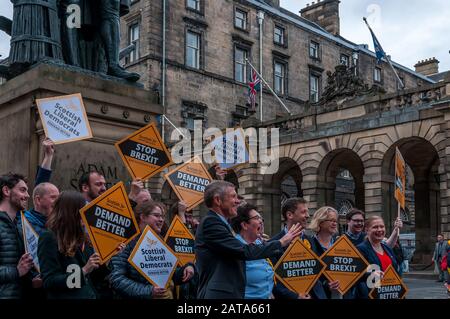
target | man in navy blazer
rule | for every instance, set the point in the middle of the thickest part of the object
(220, 256)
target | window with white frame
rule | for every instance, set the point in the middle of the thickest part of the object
(193, 4)
(133, 36)
(314, 50)
(240, 19)
(314, 82)
(279, 77)
(278, 35)
(241, 73)
(377, 74)
(193, 49)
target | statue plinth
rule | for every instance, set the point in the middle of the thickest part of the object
(114, 108)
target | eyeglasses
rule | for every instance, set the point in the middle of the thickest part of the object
(357, 221)
(256, 216)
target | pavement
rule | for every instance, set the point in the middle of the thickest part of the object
(420, 288)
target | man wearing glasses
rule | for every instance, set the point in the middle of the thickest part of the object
(355, 228)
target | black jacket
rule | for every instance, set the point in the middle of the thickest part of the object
(128, 283)
(371, 256)
(55, 272)
(11, 249)
(220, 259)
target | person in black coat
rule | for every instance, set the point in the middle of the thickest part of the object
(14, 263)
(220, 256)
(376, 251)
(66, 264)
(126, 281)
(294, 211)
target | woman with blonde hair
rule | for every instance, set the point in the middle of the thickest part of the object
(324, 225)
(375, 250)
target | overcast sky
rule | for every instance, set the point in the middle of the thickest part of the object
(408, 30)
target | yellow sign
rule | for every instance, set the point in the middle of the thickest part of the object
(391, 286)
(144, 152)
(110, 221)
(153, 259)
(189, 182)
(400, 178)
(180, 239)
(299, 268)
(344, 263)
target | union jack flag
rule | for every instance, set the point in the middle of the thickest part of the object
(253, 86)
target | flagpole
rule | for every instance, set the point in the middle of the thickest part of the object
(387, 58)
(261, 20)
(268, 86)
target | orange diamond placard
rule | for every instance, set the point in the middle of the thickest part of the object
(391, 286)
(144, 152)
(299, 268)
(180, 239)
(189, 181)
(110, 221)
(344, 263)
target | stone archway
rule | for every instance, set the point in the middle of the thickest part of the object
(423, 161)
(285, 183)
(330, 173)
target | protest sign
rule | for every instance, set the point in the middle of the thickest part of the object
(299, 268)
(64, 118)
(189, 181)
(110, 221)
(391, 286)
(144, 152)
(153, 259)
(344, 263)
(400, 178)
(181, 241)
(31, 240)
(231, 149)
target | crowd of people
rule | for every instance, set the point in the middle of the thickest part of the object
(234, 257)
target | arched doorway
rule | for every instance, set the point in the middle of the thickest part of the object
(422, 194)
(340, 176)
(286, 183)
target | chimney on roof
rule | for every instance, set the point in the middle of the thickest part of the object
(427, 67)
(325, 13)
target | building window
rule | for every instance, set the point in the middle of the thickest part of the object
(314, 50)
(193, 49)
(278, 35)
(241, 73)
(133, 36)
(345, 60)
(377, 74)
(314, 82)
(191, 112)
(279, 72)
(237, 116)
(240, 19)
(193, 4)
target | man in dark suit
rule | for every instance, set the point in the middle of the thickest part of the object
(220, 256)
(294, 212)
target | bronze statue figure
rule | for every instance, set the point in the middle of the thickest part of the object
(39, 32)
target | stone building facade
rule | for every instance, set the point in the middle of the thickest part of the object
(349, 112)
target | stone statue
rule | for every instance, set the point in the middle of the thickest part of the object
(39, 32)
